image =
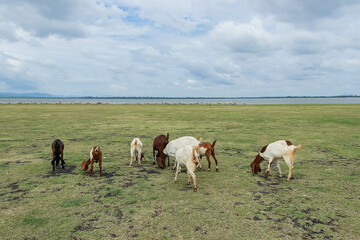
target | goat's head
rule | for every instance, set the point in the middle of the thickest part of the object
(255, 165)
(160, 158)
(85, 165)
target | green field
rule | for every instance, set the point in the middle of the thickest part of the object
(322, 200)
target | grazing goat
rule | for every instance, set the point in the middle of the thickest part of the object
(189, 156)
(57, 153)
(159, 145)
(205, 149)
(275, 151)
(176, 144)
(95, 156)
(135, 151)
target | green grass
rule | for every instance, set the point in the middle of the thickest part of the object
(321, 201)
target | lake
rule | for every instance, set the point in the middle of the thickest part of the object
(251, 101)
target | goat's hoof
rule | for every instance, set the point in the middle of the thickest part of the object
(100, 175)
(217, 170)
(130, 165)
(195, 189)
(188, 183)
(153, 163)
(280, 176)
(208, 169)
(174, 181)
(63, 167)
(288, 179)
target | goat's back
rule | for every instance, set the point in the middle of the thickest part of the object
(176, 144)
(277, 149)
(160, 142)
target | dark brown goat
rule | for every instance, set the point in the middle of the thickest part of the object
(57, 153)
(207, 149)
(159, 145)
(95, 156)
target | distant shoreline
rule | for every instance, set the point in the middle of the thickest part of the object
(90, 97)
(186, 101)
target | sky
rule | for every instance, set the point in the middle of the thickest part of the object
(187, 48)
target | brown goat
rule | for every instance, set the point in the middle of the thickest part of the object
(159, 145)
(207, 149)
(57, 153)
(95, 156)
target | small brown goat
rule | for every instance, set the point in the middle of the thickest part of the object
(57, 153)
(207, 149)
(159, 145)
(95, 156)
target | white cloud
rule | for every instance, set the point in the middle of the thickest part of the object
(191, 81)
(247, 38)
(161, 47)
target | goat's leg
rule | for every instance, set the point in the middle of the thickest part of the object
(100, 166)
(174, 164)
(62, 160)
(139, 156)
(213, 154)
(209, 162)
(199, 164)
(190, 171)
(131, 157)
(268, 170)
(153, 156)
(91, 167)
(53, 163)
(291, 167)
(177, 172)
(278, 166)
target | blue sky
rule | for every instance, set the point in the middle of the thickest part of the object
(182, 48)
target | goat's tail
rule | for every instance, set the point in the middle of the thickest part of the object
(194, 158)
(298, 146)
(56, 145)
(213, 145)
(167, 136)
(135, 143)
(200, 139)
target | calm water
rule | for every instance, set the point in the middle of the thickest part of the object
(340, 100)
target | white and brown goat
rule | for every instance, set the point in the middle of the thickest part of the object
(207, 149)
(95, 156)
(274, 152)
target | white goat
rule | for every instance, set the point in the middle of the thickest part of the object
(178, 143)
(135, 150)
(189, 156)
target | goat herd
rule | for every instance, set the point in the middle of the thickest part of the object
(187, 151)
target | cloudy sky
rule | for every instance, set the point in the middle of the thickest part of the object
(209, 48)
